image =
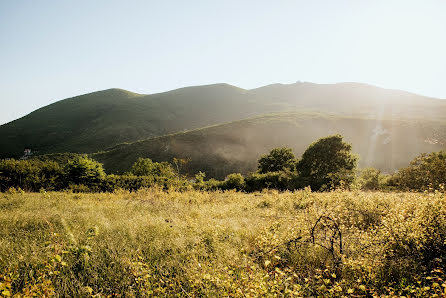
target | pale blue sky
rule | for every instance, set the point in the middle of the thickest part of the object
(50, 50)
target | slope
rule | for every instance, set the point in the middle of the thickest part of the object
(236, 146)
(96, 121)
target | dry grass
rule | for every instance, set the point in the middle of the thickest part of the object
(222, 244)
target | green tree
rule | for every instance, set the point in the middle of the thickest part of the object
(278, 159)
(85, 171)
(142, 167)
(326, 163)
(426, 171)
(146, 167)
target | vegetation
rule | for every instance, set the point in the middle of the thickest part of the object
(278, 159)
(425, 172)
(373, 179)
(235, 147)
(195, 244)
(151, 232)
(84, 171)
(146, 167)
(82, 174)
(327, 163)
(98, 121)
(30, 175)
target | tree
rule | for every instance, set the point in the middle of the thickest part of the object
(426, 171)
(146, 167)
(85, 171)
(326, 163)
(142, 167)
(278, 159)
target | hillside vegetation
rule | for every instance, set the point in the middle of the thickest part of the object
(235, 147)
(99, 120)
(214, 244)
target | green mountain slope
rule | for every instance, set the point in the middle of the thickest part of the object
(99, 120)
(236, 146)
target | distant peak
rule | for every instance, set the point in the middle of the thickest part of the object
(209, 87)
(118, 91)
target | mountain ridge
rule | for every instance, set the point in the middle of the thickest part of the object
(99, 120)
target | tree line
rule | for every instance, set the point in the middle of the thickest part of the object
(327, 164)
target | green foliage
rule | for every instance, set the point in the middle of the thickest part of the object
(425, 172)
(327, 163)
(372, 179)
(282, 180)
(199, 182)
(30, 175)
(199, 177)
(127, 182)
(81, 174)
(84, 171)
(234, 181)
(278, 159)
(146, 167)
(142, 167)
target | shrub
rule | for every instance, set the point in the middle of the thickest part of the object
(234, 181)
(127, 182)
(30, 175)
(281, 180)
(426, 171)
(372, 179)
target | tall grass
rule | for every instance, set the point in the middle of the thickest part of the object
(194, 243)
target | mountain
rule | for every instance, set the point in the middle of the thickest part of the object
(387, 144)
(100, 120)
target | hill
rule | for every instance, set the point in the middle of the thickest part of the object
(235, 147)
(100, 120)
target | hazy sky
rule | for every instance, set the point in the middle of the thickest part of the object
(50, 50)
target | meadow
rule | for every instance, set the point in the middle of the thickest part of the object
(153, 242)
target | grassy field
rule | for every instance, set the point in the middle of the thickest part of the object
(213, 244)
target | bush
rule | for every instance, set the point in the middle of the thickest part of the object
(281, 180)
(327, 163)
(127, 182)
(372, 179)
(417, 243)
(233, 181)
(30, 175)
(425, 172)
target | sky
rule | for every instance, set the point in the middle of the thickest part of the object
(51, 50)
